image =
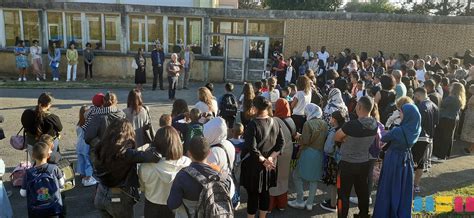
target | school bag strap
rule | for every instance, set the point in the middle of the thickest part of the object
(226, 154)
(265, 137)
(196, 175)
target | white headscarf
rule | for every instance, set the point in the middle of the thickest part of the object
(312, 111)
(335, 101)
(215, 131)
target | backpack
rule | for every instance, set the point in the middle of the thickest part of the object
(43, 194)
(228, 106)
(194, 129)
(214, 200)
(18, 174)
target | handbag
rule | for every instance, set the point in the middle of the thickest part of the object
(134, 64)
(148, 131)
(68, 171)
(18, 141)
(388, 144)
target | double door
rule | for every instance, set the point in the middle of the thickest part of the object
(245, 58)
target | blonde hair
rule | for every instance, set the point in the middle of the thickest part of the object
(457, 90)
(404, 100)
(205, 96)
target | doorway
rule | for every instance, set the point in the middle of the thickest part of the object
(245, 58)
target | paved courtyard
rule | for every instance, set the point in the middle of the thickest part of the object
(454, 173)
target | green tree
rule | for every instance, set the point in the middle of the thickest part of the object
(308, 5)
(382, 6)
(249, 4)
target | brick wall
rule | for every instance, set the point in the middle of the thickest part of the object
(371, 36)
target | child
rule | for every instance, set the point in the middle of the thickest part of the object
(361, 89)
(258, 87)
(272, 94)
(42, 184)
(96, 109)
(267, 71)
(210, 86)
(285, 93)
(84, 164)
(165, 120)
(264, 85)
(238, 142)
(302, 68)
(228, 105)
(195, 128)
(293, 90)
(289, 72)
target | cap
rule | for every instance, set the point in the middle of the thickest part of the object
(98, 99)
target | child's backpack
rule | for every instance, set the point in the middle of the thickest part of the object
(214, 200)
(43, 193)
(19, 172)
(228, 106)
(194, 129)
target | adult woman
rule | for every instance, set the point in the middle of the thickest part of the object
(21, 60)
(309, 168)
(341, 84)
(335, 103)
(54, 57)
(40, 121)
(88, 59)
(395, 189)
(137, 114)
(37, 61)
(448, 119)
(116, 167)
(173, 69)
(156, 178)
(385, 98)
(140, 73)
(263, 143)
(300, 100)
(279, 194)
(245, 101)
(207, 103)
(468, 130)
(71, 56)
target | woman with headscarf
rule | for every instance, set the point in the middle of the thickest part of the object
(310, 163)
(395, 189)
(279, 194)
(335, 103)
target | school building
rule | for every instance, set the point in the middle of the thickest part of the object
(230, 44)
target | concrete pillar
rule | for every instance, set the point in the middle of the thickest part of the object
(43, 22)
(124, 24)
(206, 41)
(165, 35)
(3, 41)
(22, 33)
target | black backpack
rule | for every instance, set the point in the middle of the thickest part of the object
(228, 106)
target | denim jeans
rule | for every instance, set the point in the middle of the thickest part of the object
(300, 191)
(55, 71)
(74, 72)
(172, 81)
(112, 202)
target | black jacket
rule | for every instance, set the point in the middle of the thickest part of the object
(98, 124)
(429, 119)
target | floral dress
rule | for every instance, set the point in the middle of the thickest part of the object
(21, 59)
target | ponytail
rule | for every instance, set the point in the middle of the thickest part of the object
(43, 101)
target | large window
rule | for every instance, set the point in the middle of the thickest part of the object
(112, 32)
(55, 27)
(137, 32)
(175, 34)
(194, 33)
(74, 29)
(227, 26)
(94, 30)
(266, 27)
(31, 30)
(12, 27)
(155, 31)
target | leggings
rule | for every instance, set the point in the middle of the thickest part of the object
(299, 122)
(258, 201)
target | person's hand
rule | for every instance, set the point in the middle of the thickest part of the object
(268, 165)
(297, 136)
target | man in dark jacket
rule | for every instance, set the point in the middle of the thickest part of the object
(157, 61)
(433, 95)
(429, 120)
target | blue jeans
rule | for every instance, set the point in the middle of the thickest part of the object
(300, 190)
(172, 81)
(55, 71)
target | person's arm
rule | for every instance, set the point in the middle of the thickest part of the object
(148, 156)
(294, 102)
(175, 198)
(23, 185)
(92, 130)
(60, 176)
(57, 55)
(340, 136)
(377, 97)
(388, 136)
(68, 56)
(92, 56)
(154, 58)
(57, 125)
(250, 142)
(305, 137)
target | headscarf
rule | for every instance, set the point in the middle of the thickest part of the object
(335, 102)
(312, 111)
(411, 124)
(282, 108)
(215, 131)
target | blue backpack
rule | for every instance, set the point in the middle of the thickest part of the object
(43, 193)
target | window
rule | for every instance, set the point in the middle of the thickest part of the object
(137, 32)
(155, 31)
(73, 29)
(227, 26)
(194, 33)
(175, 34)
(266, 27)
(94, 30)
(55, 26)
(112, 32)
(217, 45)
(12, 27)
(31, 30)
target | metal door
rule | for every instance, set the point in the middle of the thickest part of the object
(257, 53)
(235, 58)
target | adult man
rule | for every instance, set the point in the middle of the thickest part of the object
(356, 137)
(434, 96)
(188, 56)
(308, 53)
(429, 120)
(157, 60)
(323, 55)
(400, 89)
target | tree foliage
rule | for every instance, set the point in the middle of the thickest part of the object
(249, 4)
(308, 5)
(444, 7)
(382, 6)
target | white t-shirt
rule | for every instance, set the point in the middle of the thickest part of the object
(241, 103)
(420, 75)
(307, 55)
(203, 108)
(323, 56)
(272, 96)
(303, 100)
(289, 73)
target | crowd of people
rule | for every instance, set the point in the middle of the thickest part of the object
(349, 121)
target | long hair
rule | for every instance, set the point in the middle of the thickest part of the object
(43, 101)
(82, 117)
(110, 99)
(51, 48)
(304, 84)
(249, 95)
(457, 90)
(180, 106)
(168, 143)
(135, 101)
(205, 96)
(118, 137)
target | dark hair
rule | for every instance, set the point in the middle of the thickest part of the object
(341, 84)
(180, 106)
(436, 78)
(88, 44)
(194, 114)
(70, 44)
(134, 101)
(258, 85)
(388, 82)
(429, 83)
(361, 82)
(44, 100)
(82, 117)
(407, 82)
(210, 86)
(118, 136)
(420, 90)
(355, 75)
(199, 148)
(229, 87)
(366, 103)
(286, 89)
(168, 143)
(35, 41)
(340, 117)
(445, 81)
(261, 103)
(165, 120)
(332, 74)
(19, 42)
(40, 151)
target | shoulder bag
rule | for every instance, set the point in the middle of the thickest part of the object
(148, 131)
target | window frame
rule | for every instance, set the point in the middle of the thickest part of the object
(3, 38)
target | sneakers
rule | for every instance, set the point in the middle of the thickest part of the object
(327, 206)
(437, 159)
(44, 76)
(355, 200)
(37, 79)
(24, 79)
(19, 79)
(89, 182)
(309, 207)
(295, 204)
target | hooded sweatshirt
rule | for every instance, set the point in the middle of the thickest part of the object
(156, 178)
(360, 135)
(215, 131)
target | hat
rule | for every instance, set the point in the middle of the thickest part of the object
(98, 99)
